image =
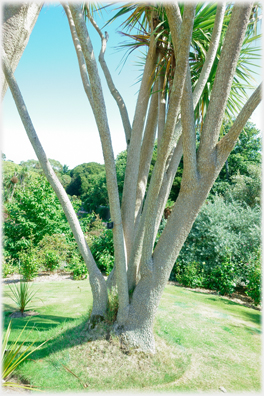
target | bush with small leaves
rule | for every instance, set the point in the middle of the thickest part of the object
(223, 230)
(222, 278)
(253, 287)
(77, 267)
(51, 261)
(29, 263)
(8, 267)
(189, 275)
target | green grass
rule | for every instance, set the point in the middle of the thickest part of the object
(203, 342)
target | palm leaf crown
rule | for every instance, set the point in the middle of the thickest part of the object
(151, 19)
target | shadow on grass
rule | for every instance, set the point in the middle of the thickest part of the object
(253, 316)
(39, 322)
(63, 339)
(69, 338)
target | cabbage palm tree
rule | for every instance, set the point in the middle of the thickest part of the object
(141, 269)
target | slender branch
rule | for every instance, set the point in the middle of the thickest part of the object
(97, 281)
(210, 56)
(188, 132)
(99, 110)
(187, 114)
(146, 152)
(227, 143)
(161, 108)
(175, 21)
(167, 182)
(224, 76)
(133, 154)
(115, 93)
(145, 160)
(80, 57)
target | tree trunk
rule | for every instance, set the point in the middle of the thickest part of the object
(18, 22)
(138, 329)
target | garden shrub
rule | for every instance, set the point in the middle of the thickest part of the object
(92, 224)
(77, 267)
(190, 275)
(8, 267)
(222, 230)
(51, 260)
(253, 286)
(55, 249)
(29, 263)
(222, 278)
(246, 188)
(32, 214)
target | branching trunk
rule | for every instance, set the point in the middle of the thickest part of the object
(148, 271)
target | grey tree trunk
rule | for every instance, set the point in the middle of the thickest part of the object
(18, 22)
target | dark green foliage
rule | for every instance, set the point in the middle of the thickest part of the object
(65, 180)
(254, 278)
(102, 249)
(247, 152)
(221, 251)
(190, 275)
(222, 277)
(90, 223)
(82, 178)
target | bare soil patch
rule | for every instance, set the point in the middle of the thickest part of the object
(19, 314)
(42, 277)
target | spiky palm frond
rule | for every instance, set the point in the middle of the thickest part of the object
(139, 17)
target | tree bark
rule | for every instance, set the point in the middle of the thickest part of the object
(18, 23)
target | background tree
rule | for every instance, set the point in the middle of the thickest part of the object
(141, 269)
(82, 177)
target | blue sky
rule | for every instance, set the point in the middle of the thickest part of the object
(49, 79)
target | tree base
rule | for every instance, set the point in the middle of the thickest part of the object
(95, 319)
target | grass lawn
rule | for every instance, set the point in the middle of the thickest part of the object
(203, 342)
